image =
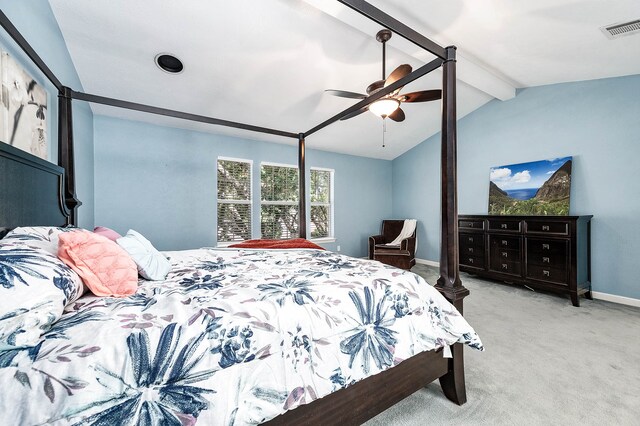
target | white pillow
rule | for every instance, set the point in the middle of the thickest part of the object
(152, 264)
(35, 286)
(43, 237)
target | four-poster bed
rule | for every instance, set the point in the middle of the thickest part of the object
(363, 399)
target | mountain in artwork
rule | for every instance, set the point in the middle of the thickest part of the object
(558, 186)
(495, 191)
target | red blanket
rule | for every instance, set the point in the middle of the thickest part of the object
(278, 244)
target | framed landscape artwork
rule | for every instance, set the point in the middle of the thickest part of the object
(535, 188)
(23, 109)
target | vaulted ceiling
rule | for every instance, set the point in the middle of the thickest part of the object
(268, 62)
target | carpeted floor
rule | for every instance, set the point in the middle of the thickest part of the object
(546, 363)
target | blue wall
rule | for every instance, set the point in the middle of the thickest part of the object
(144, 174)
(161, 182)
(37, 23)
(597, 122)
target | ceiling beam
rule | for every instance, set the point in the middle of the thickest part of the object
(468, 70)
(87, 97)
(376, 15)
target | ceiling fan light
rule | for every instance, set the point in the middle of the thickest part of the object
(384, 107)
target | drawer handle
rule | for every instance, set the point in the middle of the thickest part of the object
(470, 239)
(470, 260)
(545, 260)
(545, 273)
(505, 242)
(503, 226)
(505, 254)
(545, 227)
(505, 266)
(545, 247)
(470, 249)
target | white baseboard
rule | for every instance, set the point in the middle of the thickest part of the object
(622, 300)
(427, 262)
(616, 299)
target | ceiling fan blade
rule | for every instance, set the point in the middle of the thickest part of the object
(397, 74)
(423, 96)
(397, 115)
(355, 113)
(375, 86)
(345, 94)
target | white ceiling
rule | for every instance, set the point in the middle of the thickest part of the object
(267, 62)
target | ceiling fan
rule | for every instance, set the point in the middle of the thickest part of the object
(388, 106)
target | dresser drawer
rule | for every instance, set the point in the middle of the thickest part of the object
(505, 266)
(503, 242)
(474, 224)
(504, 225)
(472, 261)
(471, 251)
(543, 227)
(471, 240)
(557, 251)
(505, 255)
(548, 274)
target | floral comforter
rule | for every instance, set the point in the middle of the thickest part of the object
(231, 337)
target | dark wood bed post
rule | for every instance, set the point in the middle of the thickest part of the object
(302, 173)
(65, 153)
(449, 283)
(302, 181)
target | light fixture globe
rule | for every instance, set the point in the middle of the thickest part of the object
(384, 107)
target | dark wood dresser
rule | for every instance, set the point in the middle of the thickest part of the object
(546, 252)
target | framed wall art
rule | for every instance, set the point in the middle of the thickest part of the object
(534, 188)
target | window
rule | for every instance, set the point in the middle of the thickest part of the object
(321, 203)
(279, 201)
(234, 200)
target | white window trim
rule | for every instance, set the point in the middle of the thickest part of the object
(331, 237)
(279, 203)
(250, 201)
(239, 160)
(230, 201)
(267, 163)
(275, 203)
(323, 240)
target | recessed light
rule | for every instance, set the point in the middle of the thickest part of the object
(169, 63)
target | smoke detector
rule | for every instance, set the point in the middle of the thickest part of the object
(621, 29)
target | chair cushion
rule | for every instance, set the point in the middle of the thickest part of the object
(386, 247)
(392, 252)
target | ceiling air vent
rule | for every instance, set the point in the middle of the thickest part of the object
(622, 29)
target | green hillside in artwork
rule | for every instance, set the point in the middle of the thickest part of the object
(552, 198)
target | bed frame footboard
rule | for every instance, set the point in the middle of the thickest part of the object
(367, 398)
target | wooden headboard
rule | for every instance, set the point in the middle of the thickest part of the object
(31, 191)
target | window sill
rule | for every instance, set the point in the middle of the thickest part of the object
(227, 243)
(323, 240)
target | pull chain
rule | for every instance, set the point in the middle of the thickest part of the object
(384, 130)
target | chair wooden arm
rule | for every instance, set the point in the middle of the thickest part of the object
(373, 240)
(409, 244)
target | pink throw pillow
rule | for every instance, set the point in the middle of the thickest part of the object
(107, 232)
(103, 266)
